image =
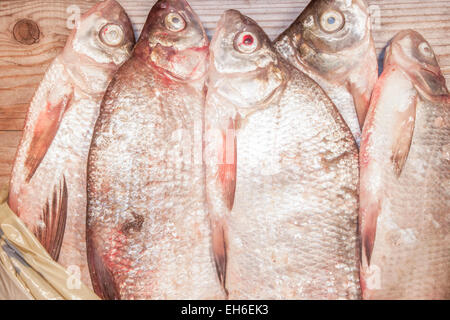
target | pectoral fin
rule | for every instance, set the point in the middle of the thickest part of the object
(54, 216)
(227, 165)
(403, 134)
(102, 279)
(361, 99)
(47, 125)
(369, 227)
(430, 83)
(226, 180)
(361, 84)
(219, 243)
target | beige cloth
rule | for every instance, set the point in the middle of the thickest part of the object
(26, 269)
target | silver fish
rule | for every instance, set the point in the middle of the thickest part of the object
(148, 231)
(48, 184)
(405, 177)
(281, 174)
(331, 41)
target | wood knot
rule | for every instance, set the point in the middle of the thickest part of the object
(26, 31)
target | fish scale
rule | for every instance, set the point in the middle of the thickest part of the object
(405, 201)
(48, 184)
(145, 172)
(331, 42)
(291, 229)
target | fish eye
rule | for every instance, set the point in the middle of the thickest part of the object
(112, 34)
(331, 21)
(425, 50)
(246, 42)
(174, 22)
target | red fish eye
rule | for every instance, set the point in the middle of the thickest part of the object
(248, 40)
(245, 42)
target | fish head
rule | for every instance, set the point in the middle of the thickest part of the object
(244, 67)
(329, 37)
(410, 52)
(104, 34)
(173, 39)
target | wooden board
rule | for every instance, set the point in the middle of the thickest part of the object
(22, 66)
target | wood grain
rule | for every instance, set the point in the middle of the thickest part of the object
(23, 66)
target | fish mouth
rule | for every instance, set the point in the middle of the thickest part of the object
(105, 8)
(434, 80)
(428, 81)
(109, 5)
(306, 62)
(228, 15)
(234, 95)
(325, 36)
(298, 57)
(434, 71)
(169, 62)
(111, 8)
(221, 25)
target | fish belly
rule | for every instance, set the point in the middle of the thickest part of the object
(411, 254)
(148, 232)
(292, 232)
(60, 180)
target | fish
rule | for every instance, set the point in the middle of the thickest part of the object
(331, 41)
(48, 183)
(148, 230)
(281, 174)
(405, 177)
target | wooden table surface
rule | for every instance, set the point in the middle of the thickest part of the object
(22, 65)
